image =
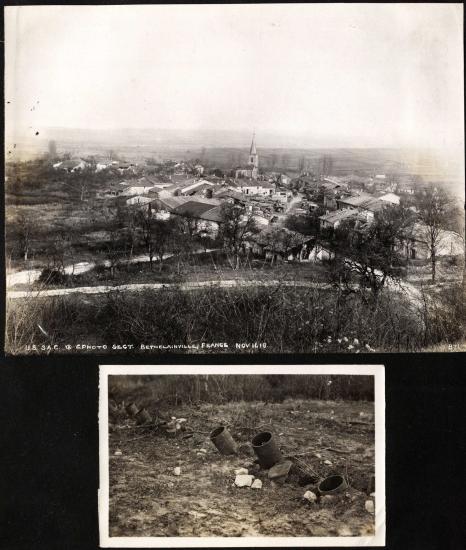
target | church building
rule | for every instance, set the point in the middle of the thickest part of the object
(251, 170)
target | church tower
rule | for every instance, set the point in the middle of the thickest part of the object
(254, 158)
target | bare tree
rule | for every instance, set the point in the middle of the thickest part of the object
(146, 220)
(369, 256)
(24, 234)
(434, 208)
(236, 227)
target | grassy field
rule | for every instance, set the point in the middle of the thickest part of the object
(147, 499)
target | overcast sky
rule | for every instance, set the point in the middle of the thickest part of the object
(370, 75)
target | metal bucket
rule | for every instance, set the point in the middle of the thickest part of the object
(131, 409)
(222, 439)
(266, 449)
(332, 485)
(143, 417)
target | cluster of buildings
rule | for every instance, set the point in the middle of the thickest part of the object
(188, 190)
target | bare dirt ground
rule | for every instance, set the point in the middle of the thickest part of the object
(147, 499)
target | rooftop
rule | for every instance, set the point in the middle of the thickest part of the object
(338, 216)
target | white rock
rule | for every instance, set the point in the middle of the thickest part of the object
(181, 420)
(243, 480)
(328, 462)
(241, 471)
(370, 506)
(118, 453)
(310, 496)
(257, 484)
(177, 471)
(178, 426)
(173, 417)
(202, 450)
(345, 532)
(318, 455)
(372, 495)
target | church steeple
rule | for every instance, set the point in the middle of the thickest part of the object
(253, 156)
(253, 151)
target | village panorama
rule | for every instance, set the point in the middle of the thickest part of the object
(232, 250)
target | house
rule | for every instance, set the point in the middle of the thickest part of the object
(199, 169)
(228, 195)
(112, 191)
(197, 187)
(416, 244)
(138, 200)
(282, 196)
(280, 244)
(390, 198)
(137, 190)
(333, 219)
(262, 188)
(102, 165)
(208, 216)
(364, 203)
(74, 165)
(319, 254)
(285, 179)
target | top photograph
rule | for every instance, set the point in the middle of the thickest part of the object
(211, 179)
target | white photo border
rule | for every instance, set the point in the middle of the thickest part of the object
(378, 539)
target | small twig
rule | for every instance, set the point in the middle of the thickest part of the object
(339, 451)
(136, 427)
(359, 422)
(136, 438)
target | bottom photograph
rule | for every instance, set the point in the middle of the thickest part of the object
(242, 455)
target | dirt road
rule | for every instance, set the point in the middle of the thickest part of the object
(137, 287)
(30, 276)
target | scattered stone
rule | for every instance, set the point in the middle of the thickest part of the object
(318, 455)
(118, 453)
(177, 471)
(280, 471)
(345, 532)
(328, 462)
(310, 496)
(257, 484)
(241, 471)
(181, 420)
(372, 495)
(203, 450)
(370, 506)
(244, 480)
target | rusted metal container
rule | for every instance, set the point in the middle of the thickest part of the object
(266, 448)
(143, 417)
(131, 409)
(223, 440)
(332, 485)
